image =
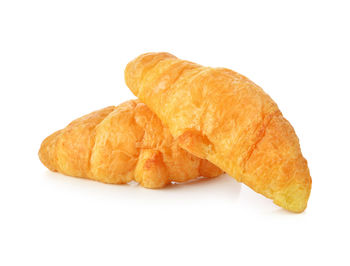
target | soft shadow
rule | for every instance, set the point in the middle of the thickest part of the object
(223, 186)
(284, 212)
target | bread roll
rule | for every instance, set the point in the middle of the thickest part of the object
(119, 144)
(219, 115)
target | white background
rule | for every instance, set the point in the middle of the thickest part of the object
(62, 59)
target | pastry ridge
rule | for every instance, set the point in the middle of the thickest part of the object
(119, 144)
(220, 115)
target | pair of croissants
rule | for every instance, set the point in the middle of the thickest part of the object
(189, 121)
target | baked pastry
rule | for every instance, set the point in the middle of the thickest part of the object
(119, 144)
(219, 115)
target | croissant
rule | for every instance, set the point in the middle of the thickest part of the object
(119, 144)
(219, 115)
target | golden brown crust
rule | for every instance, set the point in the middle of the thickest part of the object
(222, 116)
(119, 144)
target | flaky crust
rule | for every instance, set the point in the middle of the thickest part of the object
(120, 144)
(222, 116)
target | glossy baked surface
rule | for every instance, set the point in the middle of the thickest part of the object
(222, 116)
(120, 144)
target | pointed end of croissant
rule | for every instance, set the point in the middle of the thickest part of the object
(293, 198)
(47, 151)
(137, 68)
